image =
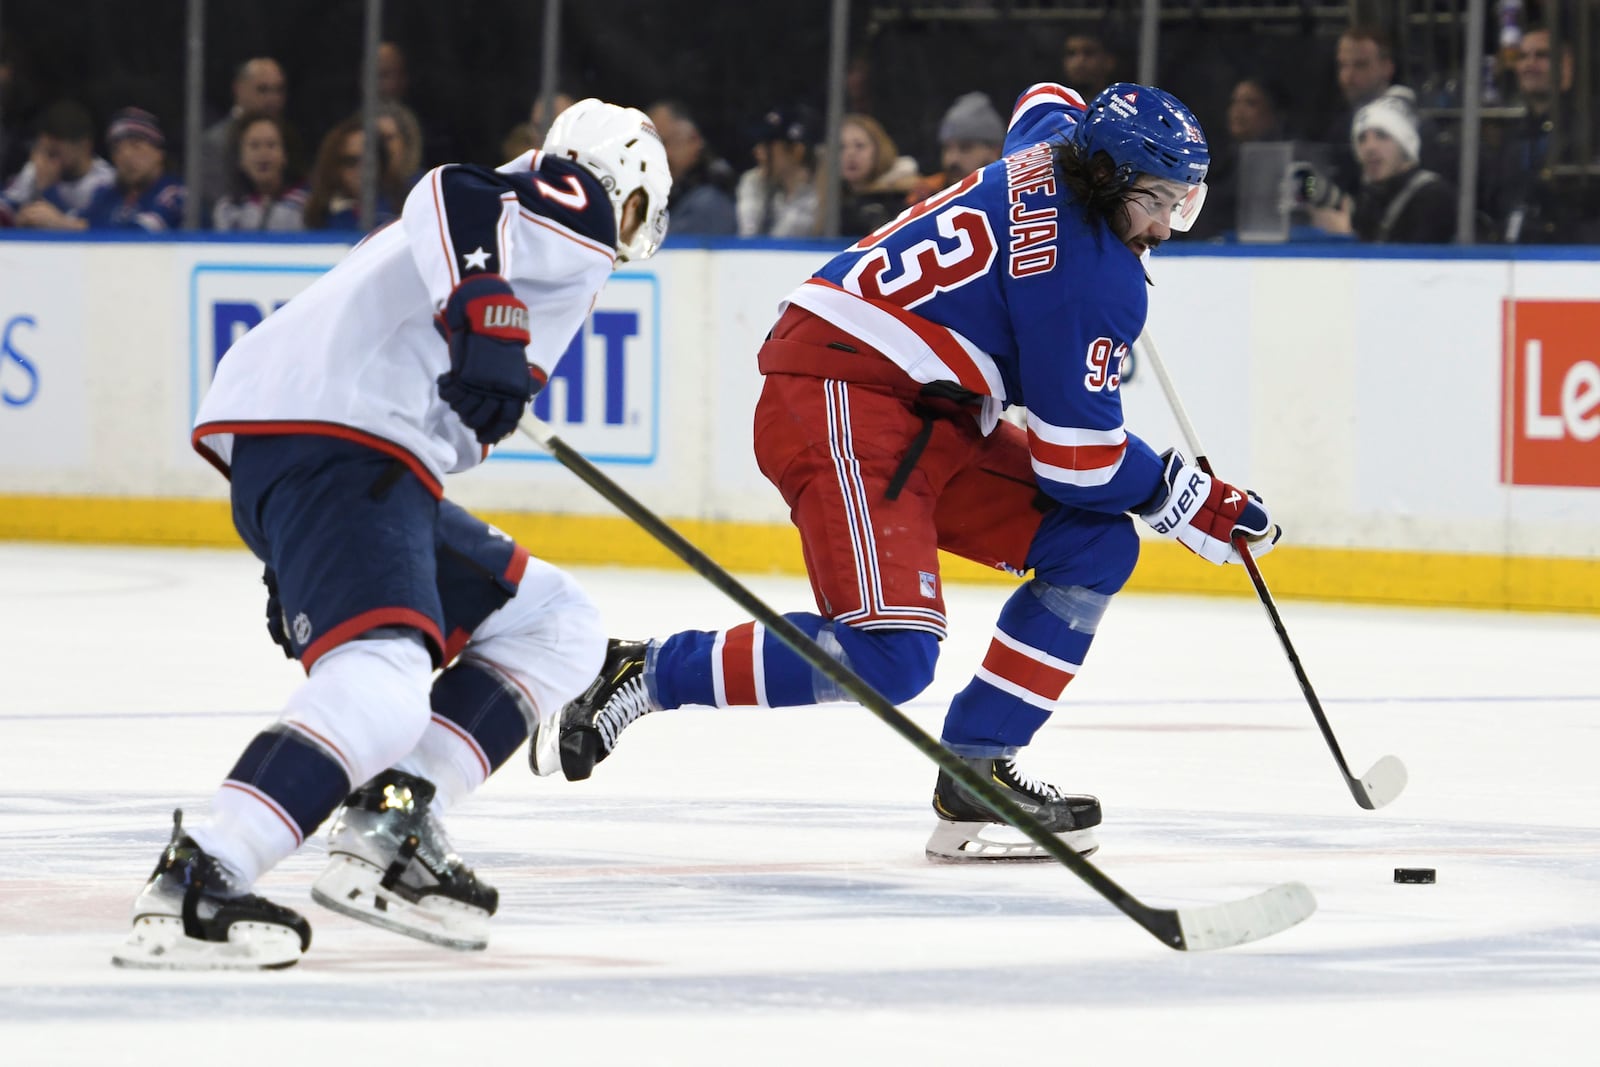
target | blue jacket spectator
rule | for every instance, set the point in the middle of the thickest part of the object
(702, 184)
(144, 197)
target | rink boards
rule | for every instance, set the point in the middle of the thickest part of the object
(1426, 429)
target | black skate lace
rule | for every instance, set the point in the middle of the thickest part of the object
(1031, 784)
(629, 702)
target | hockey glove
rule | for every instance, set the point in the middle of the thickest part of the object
(1205, 514)
(276, 628)
(490, 380)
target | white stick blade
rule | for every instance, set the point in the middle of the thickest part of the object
(1385, 781)
(1242, 921)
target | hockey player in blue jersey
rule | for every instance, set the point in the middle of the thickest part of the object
(1021, 285)
(336, 420)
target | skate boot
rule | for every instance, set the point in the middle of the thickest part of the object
(969, 830)
(391, 865)
(589, 726)
(194, 916)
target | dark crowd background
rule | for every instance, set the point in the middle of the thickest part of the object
(474, 65)
(748, 74)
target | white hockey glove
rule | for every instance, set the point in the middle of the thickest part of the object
(1204, 514)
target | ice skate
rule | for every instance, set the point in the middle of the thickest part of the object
(590, 725)
(968, 830)
(391, 865)
(193, 915)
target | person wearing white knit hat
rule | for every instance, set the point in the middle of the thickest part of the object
(1398, 202)
(1397, 146)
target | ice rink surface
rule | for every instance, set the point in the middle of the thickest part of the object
(748, 887)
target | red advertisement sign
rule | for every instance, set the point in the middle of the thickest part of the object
(1550, 423)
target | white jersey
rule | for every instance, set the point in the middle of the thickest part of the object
(357, 354)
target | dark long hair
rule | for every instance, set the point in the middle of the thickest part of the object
(239, 183)
(1094, 181)
(325, 173)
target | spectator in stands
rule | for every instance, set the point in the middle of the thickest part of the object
(781, 199)
(262, 195)
(540, 116)
(702, 183)
(144, 196)
(1399, 201)
(748, 202)
(874, 177)
(393, 79)
(1524, 201)
(62, 173)
(1256, 112)
(1087, 63)
(401, 134)
(259, 87)
(517, 140)
(335, 199)
(970, 136)
(1365, 60)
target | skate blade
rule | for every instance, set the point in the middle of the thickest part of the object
(988, 842)
(158, 943)
(544, 754)
(352, 886)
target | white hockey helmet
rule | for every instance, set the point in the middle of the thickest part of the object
(620, 146)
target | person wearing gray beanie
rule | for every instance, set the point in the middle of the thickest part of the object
(970, 136)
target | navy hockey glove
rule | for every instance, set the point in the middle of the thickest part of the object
(276, 628)
(1205, 514)
(490, 380)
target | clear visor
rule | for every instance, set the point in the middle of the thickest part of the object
(1176, 202)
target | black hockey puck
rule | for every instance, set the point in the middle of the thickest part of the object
(1415, 875)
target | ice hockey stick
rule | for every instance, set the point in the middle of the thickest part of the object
(1387, 777)
(1205, 926)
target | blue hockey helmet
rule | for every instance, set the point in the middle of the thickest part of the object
(1145, 130)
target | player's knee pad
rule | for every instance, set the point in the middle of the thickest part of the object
(1093, 551)
(547, 641)
(897, 663)
(365, 702)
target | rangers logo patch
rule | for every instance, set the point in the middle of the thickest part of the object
(928, 584)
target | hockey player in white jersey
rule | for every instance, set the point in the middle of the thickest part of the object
(336, 420)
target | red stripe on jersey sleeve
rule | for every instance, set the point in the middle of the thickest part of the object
(1051, 91)
(1076, 457)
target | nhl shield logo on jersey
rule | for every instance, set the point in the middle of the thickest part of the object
(302, 629)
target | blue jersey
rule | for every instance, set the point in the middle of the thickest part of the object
(1003, 284)
(157, 209)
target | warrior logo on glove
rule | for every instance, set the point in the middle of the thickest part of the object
(490, 380)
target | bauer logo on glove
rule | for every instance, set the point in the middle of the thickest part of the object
(1205, 514)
